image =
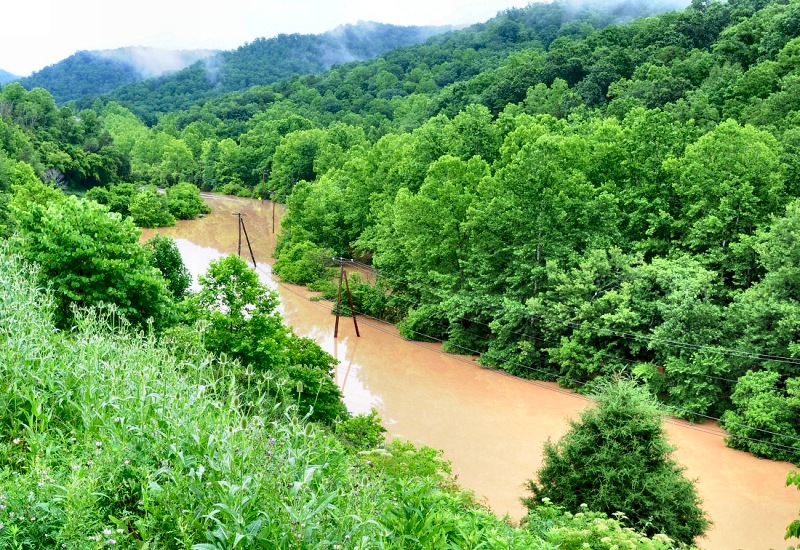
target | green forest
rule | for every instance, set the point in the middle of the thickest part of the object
(607, 200)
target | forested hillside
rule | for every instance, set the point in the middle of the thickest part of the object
(263, 61)
(92, 73)
(6, 77)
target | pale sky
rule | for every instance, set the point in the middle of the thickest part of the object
(37, 33)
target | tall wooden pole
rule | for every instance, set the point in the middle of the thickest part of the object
(338, 301)
(252, 257)
(240, 233)
(350, 300)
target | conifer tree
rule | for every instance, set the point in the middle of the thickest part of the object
(616, 458)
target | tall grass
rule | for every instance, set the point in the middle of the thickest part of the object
(107, 439)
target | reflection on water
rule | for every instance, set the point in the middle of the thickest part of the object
(491, 426)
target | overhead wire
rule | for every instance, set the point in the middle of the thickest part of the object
(545, 373)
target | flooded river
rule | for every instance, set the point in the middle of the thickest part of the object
(490, 426)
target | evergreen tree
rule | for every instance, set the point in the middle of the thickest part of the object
(616, 459)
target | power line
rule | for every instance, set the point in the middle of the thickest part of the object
(634, 336)
(549, 374)
(562, 377)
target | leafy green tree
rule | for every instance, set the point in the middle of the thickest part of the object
(302, 263)
(244, 324)
(728, 182)
(149, 209)
(764, 417)
(616, 458)
(293, 160)
(765, 318)
(163, 254)
(184, 201)
(177, 162)
(90, 257)
(793, 530)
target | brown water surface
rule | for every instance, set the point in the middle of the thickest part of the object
(490, 426)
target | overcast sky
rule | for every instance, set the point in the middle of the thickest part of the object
(37, 33)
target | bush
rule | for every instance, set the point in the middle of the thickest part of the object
(616, 459)
(363, 431)
(184, 201)
(303, 263)
(88, 256)
(149, 209)
(163, 254)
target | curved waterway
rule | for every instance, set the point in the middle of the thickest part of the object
(490, 426)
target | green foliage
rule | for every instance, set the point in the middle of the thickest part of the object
(793, 530)
(764, 417)
(303, 263)
(243, 324)
(89, 257)
(184, 201)
(163, 254)
(148, 208)
(584, 528)
(362, 432)
(616, 459)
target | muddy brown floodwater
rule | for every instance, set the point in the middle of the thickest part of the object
(490, 426)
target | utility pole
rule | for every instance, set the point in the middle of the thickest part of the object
(252, 257)
(239, 214)
(343, 278)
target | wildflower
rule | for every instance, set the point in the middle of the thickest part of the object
(16, 441)
(2, 525)
(111, 542)
(2, 507)
(126, 462)
(546, 499)
(107, 532)
(584, 505)
(98, 443)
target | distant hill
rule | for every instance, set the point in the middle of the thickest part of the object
(153, 62)
(268, 60)
(6, 77)
(91, 73)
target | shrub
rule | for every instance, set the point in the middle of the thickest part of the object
(184, 201)
(616, 459)
(149, 209)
